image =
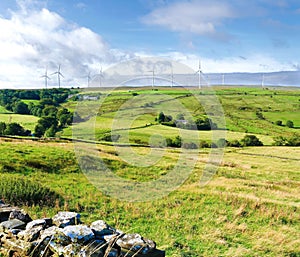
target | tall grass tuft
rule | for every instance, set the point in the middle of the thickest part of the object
(23, 191)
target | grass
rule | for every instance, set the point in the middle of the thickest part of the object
(250, 208)
(27, 121)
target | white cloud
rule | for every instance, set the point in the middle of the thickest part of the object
(253, 63)
(33, 38)
(197, 17)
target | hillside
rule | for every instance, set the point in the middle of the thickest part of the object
(250, 208)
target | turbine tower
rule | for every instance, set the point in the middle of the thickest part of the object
(263, 80)
(199, 71)
(46, 78)
(153, 77)
(223, 79)
(172, 76)
(88, 79)
(59, 74)
(100, 76)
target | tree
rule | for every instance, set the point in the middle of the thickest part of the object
(15, 129)
(20, 107)
(2, 127)
(251, 140)
(290, 124)
(161, 117)
(278, 122)
(50, 111)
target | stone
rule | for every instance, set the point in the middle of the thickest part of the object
(79, 233)
(5, 211)
(101, 228)
(20, 215)
(30, 234)
(136, 243)
(63, 219)
(40, 222)
(13, 224)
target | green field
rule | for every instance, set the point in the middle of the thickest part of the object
(122, 113)
(27, 121)
(250, 207)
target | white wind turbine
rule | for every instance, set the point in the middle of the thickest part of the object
(153, 77)
(263, 80)
(46, 78)
(59, 74)
(100, 75)
(172, 76)
(199, 71)
(88, 79)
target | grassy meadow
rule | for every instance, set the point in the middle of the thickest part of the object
(251, 206)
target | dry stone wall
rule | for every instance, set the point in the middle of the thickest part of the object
(64, 235)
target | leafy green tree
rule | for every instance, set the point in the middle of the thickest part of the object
(278, 122)
(20, 107)
(15, 129)
(51, 132)
(290, 124)
(161, 117)
(50, 111)
(2, 127)
(251, 140)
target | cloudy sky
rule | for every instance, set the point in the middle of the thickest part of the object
(82, 36)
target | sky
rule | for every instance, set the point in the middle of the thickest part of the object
(82, 36)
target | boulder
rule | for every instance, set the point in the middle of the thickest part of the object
(64, 219)
(136, 243)
(20, 215)
(13, 224)
(79, 233)
(101, 229)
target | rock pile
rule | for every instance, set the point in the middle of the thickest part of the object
(65, 235)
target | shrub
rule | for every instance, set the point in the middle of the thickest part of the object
(278, 122)
(190, 145)
(251, 140)
(290, 124)
(22, 191)
(204, 144)
(234, 143)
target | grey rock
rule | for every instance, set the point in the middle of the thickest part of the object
(13, 224)
(79, 233)
(5, 211)
(63, 219)
(20, 215)
(101, 228)
(136, 243)
(31, 234)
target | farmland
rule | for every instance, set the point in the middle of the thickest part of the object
(250, 207)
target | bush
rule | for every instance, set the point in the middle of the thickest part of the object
(278, 122)
(234, 143)
(204, 144)
(176, 142)
(251, 140)
(190, 145)
(21, 191)
(290, 124)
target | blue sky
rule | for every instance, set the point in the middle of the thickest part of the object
(227, 35)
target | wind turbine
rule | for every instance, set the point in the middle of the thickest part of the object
(172, 76)
(88, 79)
(59, 74)
(100, 76)
(46, 78)
(153, 77)
(223, 79)
(263, 80)
(199, 71)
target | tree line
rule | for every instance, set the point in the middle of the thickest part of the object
(53, 117)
